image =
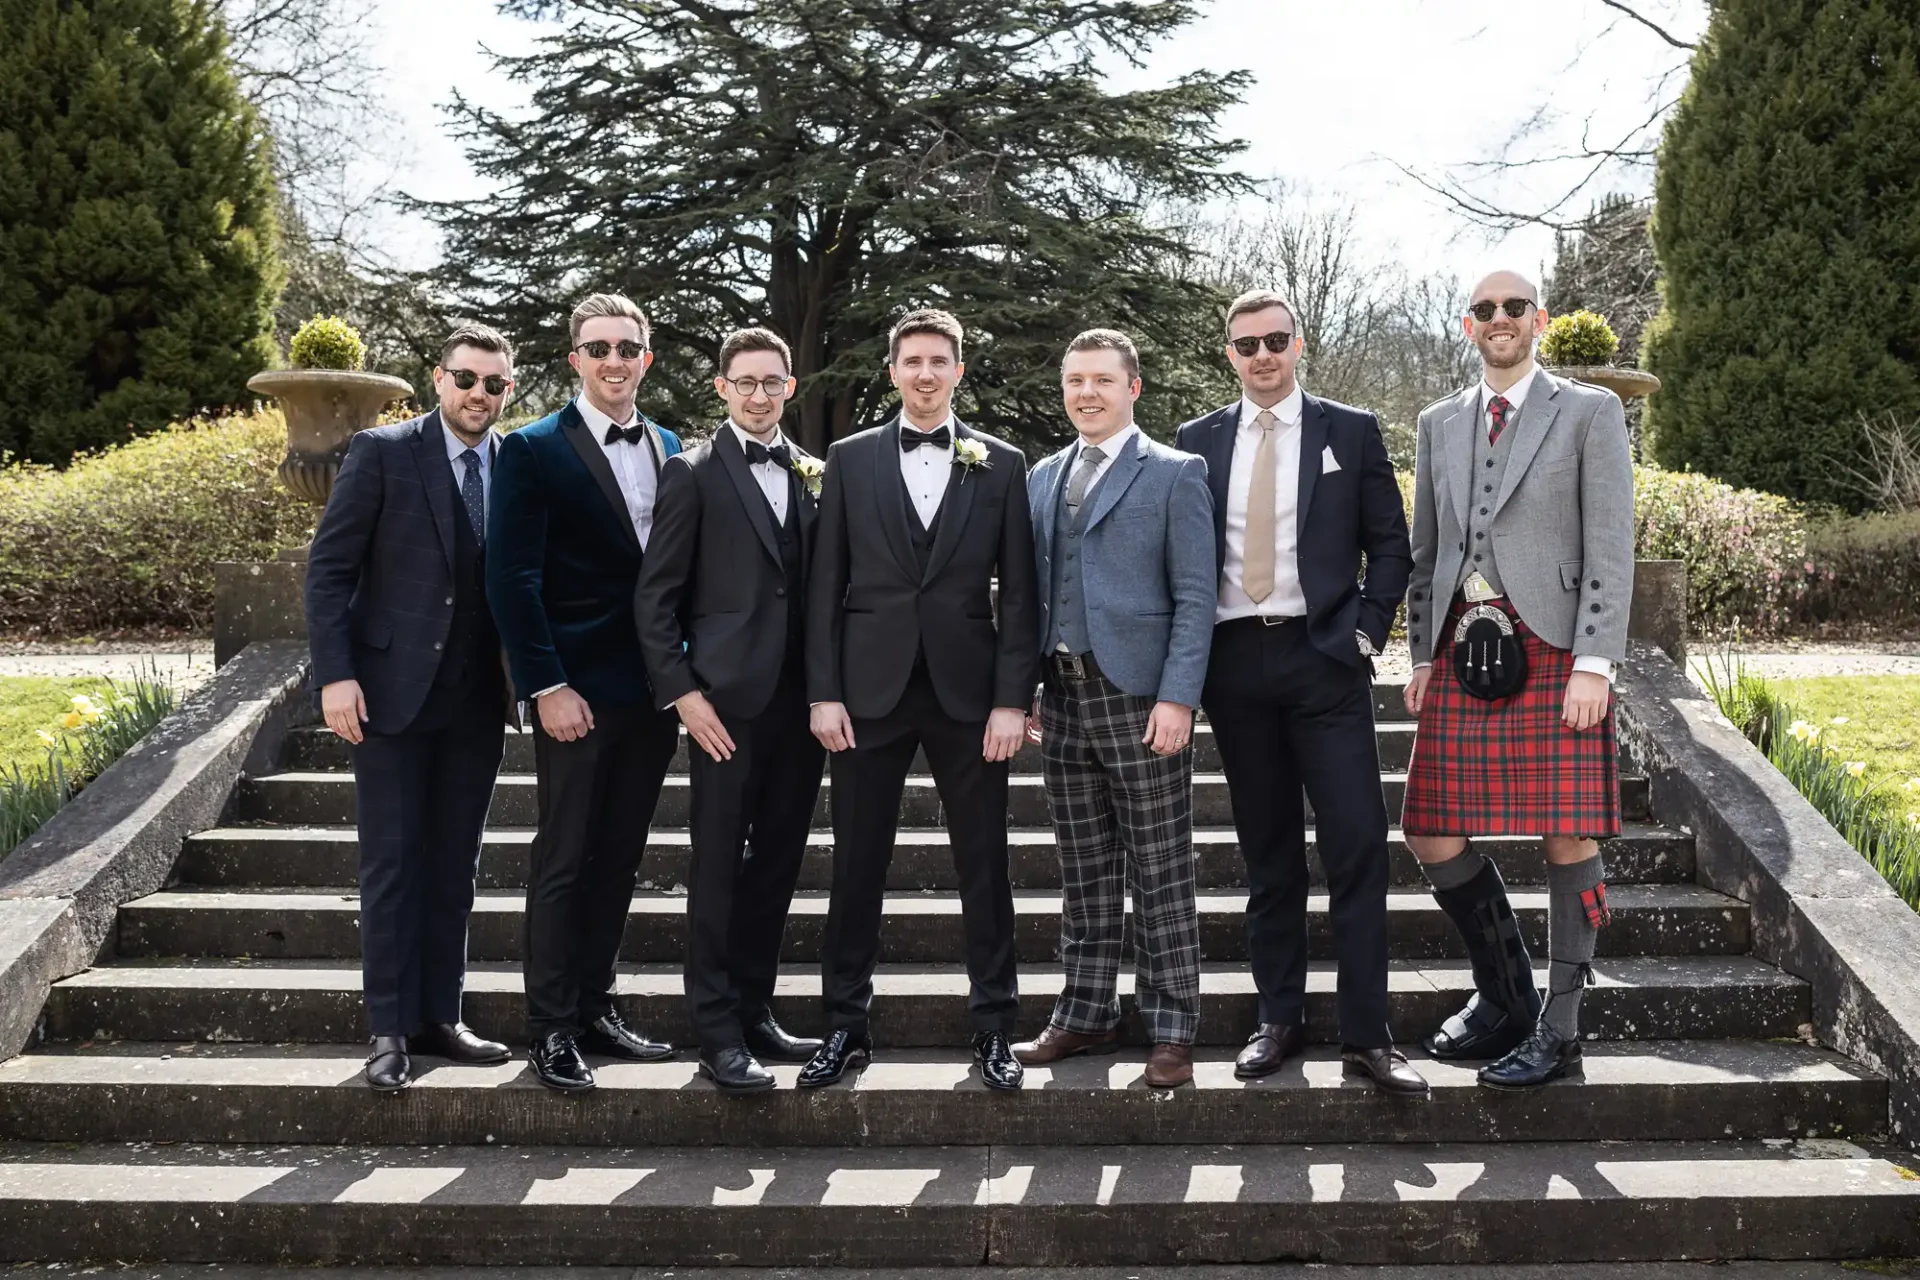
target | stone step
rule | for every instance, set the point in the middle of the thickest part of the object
(914, 1006)
(1694, 1090)
(310, 799)
(327, 857)
(916, 928)
(1714, 1270)
(1015, 1205)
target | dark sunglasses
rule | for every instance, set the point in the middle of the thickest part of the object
(1277, 341)
(465, 378)
(1514, 307)
(599, 347)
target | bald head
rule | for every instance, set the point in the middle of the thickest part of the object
(1506, 284)
(1503, 320)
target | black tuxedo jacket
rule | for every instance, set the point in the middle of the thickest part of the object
(1347, 513)
(380, 576)
(712, 604)
(871, 607)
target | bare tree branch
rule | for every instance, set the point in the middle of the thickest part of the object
(1649, 24)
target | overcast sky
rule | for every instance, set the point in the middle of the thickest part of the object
(1341, 91)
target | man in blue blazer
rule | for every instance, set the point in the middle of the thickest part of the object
(1303, 497)
(1123, 542)
(572, 512)
(408, 667)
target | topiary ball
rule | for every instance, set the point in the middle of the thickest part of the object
(1579, 338)
(326, 342)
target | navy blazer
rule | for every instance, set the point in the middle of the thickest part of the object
(562, 561)
(380, 582)
(1346, 517)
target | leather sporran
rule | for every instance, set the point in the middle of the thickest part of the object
(1488, 659)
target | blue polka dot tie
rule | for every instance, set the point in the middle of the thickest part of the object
(474, 495)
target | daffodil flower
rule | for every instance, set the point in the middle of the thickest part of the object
(47, 738)
(1842, 720)
(72, 720)
(1856, 767)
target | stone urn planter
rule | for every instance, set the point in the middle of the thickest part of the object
(1628, 384)
(324, 407)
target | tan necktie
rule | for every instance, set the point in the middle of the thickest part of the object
(1256, 565)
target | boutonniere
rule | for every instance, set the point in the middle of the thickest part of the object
(811, 472)
(970, 454)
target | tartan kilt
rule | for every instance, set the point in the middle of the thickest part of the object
(1509, 767)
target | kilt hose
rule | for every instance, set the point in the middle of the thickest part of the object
(1510, 767)
(1123, 821)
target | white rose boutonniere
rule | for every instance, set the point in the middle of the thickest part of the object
(811, 472)
(970, 454)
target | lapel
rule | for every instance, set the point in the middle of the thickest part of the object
(1536, 416)
(1313, 443)
(733, 461)
(1115, 482)
(891, 496)
(1217, 449)
(962, 485)
(429, 453)
(1456, 451)
(580, 436)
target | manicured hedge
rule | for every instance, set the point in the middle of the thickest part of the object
(1866, 570)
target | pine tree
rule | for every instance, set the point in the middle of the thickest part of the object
(1787, 221)
(137, 265)
(824, 165)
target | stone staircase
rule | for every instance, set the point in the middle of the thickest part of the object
(197, 1098)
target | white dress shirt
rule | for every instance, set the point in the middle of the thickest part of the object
(770, 475)
(633, 466)
(926, 471)
(1288, 599)
(456, 447)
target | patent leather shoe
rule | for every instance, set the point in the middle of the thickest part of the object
(734, 1070)
(613, 1038)
(1056, 1042)
(456, 1042)
(1545, 1055)
(768, 1041)
(1388, 1069)
(1268, 1049)
(558, 1065)
(842, 1052)
(388, 1067)
(1479, 1031)
(994, 1056)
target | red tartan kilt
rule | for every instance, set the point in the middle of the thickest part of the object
(1509, 767)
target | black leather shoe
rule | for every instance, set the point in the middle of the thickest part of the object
(1479, 1031)
(735, 1071)
(1545, 1055)
(615, 1039)
(994, 1056)
(768, 1041)
(557, 1063)
(843, 1052)
(1268, 1048)
(456, 1042)
(1387, 1068)
(388, 1067)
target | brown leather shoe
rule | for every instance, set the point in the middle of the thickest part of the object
(1169, 1066)
(1268, 1048)
(1055, 1043)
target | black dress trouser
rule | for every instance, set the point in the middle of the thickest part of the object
(1287, 716)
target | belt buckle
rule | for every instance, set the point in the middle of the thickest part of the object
(1477, 590)
(1070, 665)
(1273, 619)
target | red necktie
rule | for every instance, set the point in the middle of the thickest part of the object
(1497, 410)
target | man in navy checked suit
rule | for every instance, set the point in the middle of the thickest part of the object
(408, 664)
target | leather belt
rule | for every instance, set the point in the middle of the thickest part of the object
(1073, 666)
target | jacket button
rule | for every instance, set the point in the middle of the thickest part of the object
(1595, 584)
(1463, 546)
(1478, 559)
(1413, 617)
(1486, 488)
(780, 591)
(438, 646)
(1479, 537)
(449, 599)
(1589, 630)
(1483, 511)
(1596, 608)
(1489, 461)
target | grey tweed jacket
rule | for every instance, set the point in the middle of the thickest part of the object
(1562, 528)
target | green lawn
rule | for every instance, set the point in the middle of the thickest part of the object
(31, 703)
(1882, 723)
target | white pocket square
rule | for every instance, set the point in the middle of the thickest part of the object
(1327, 465)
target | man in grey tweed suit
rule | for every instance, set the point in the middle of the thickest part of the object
(1123, 540)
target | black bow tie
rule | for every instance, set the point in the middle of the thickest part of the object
(911, 439)
(758, 453)
(632, 435)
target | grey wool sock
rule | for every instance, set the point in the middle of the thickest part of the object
(1572, 931)
(1454, 872)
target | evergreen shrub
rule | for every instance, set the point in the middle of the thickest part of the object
(327, 342)
(1578, 338)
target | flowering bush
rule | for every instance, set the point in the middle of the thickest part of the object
(1746, 551)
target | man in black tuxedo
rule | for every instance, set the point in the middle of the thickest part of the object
(1303, 494)
(408, 666)
(722, 619)
(916, 518)
(572, 513)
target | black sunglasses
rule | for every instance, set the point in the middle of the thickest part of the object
(599, 347)
(1514, 307)
(1277, 341)
(465, 378)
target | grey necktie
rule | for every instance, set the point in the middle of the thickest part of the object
(1256, 563)
(1090, 459)
(474, 495)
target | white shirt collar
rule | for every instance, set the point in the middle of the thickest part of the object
(597, 421)
(1516, 395)
(946, 422)
(455, 448)
(1287, 411)
(740, 434)
(1114, 445)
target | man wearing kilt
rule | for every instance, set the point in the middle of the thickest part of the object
(1522, 577)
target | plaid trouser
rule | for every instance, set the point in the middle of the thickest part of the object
(1123, 821)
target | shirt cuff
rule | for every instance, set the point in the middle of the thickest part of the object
(1365, 643)
(1418, 665)
(552, 688)
(1595, 663)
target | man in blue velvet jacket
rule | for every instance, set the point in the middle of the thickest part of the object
(571, 512)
